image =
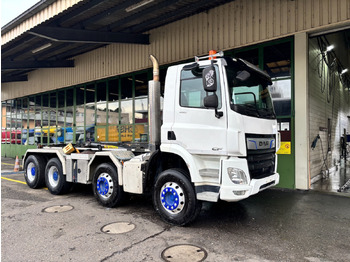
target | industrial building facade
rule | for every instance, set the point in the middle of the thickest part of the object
(103, 96)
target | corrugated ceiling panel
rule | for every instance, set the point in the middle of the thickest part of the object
(229, 26)
(47, 13)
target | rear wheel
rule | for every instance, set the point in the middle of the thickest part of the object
(54, 178)
(106, 187)
(34, 168)
(174, 198)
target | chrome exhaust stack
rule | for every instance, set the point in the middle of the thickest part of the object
(154, 107)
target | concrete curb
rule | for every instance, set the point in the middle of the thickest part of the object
(12, 173)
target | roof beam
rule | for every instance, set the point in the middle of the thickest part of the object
(6, 79)
(10, 65)
(60, 34)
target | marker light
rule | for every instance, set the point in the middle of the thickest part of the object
(211, 53)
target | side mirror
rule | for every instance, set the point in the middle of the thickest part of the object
(211, 101)
(209, 79)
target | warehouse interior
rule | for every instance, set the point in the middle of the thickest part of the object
(329, 103)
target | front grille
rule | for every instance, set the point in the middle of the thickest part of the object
(261, 163)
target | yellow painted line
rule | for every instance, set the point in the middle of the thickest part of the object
(13, 180)
(17, 181)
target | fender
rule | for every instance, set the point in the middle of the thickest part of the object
(116, 157)
(57, 151)
(186, 156)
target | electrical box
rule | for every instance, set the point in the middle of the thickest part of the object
(77, 167)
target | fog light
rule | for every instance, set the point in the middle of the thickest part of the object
(239, 193)
(237, 176)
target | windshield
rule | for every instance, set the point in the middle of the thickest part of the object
(249, 93)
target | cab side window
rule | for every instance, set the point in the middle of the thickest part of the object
(192, 91)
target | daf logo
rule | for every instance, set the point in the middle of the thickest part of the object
(260, 143)
(263, 143)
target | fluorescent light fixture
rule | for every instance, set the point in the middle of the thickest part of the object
(344, 71)
(87, 89)
(36, 50)
(330, 48)
(138, 5)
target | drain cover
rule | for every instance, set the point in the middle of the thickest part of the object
(118, 228)
(184, 253)
(58, 209)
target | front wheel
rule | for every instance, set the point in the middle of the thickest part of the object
(174, 198)
(106, 187)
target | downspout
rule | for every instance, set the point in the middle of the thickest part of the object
(154, 107)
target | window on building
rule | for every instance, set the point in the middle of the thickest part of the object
(101, 111)
(69, 115)
(80, 111)
(277, 63)
(113, 110)
(4, 129)
(141, 108)
(126, 111)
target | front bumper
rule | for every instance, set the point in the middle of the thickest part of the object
(233, 193)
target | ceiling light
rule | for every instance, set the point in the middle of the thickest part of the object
(330, 48)
(344, 71)
(138, 5)
(41, 48)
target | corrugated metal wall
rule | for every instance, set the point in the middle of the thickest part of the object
(240, 23)
(52, 10)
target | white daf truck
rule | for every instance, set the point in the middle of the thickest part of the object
(218, 140)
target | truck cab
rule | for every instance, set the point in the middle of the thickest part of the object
(229, 145)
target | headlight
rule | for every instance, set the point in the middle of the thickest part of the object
(237, 175)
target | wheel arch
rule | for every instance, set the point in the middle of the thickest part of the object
(169, 158)
(105, 157)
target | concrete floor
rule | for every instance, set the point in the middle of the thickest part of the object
(274, 225)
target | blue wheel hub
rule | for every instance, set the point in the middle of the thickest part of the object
(32, 171)
(55, 176)
(172, 197)
(102, 186)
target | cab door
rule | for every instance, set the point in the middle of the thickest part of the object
(196, 128)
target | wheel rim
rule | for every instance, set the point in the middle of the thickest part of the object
(31, 172)
(105, 185)
(54, 177)
(172, 197)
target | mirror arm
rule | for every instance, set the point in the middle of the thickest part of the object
(218, 114)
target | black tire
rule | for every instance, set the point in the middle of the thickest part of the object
(105, 186)
(34, 171)
(54, 178)
(174, 198)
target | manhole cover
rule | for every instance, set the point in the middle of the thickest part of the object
(57, 209)
(118, 228)
(184, 253)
